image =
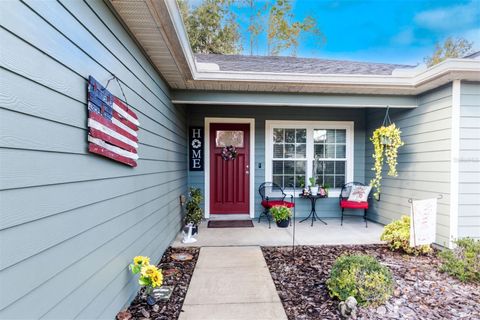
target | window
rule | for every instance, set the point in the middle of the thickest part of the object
(298, 150)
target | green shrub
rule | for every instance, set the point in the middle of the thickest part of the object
(463, 262)
(362, 277)
(397, 236)
(194, 212)
(280, 213)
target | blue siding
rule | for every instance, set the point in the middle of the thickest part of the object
(325, 207)
(423, 162)
(469, 162)
(71, 221)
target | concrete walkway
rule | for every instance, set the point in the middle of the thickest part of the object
(232, 283)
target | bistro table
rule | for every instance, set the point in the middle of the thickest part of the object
(313, 213)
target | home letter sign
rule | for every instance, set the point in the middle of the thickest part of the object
(196, 148)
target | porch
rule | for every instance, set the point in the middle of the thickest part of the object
(352, 232)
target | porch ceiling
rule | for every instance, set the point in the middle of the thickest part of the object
(158, 27)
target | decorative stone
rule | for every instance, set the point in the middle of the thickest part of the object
(382, 310)
(124, 315)
(348, 308)
(145, 313)
(156, 308)
(182, 256)
(170, 272)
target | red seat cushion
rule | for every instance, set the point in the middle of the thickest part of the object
(353, 204)
(268, 204)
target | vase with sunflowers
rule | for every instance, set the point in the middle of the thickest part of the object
(150, 276)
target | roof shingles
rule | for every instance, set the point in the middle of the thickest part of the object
(278, 64)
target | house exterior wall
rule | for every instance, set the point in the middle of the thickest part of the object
(71, 221)
(469, 161)
(423, 163)
(325, 207)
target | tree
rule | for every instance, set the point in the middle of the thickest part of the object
(211, 27)
(451, 48)
(283, 33)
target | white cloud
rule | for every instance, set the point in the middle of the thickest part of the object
(450, 18)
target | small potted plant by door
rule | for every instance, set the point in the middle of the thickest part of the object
(194, 212)
(281, 215)
(313, 186)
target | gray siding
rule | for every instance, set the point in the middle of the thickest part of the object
(325, 207)
(423, 162)
(71, 221)
(469, 162)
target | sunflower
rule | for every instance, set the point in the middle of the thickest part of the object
(157, 279)
(141, 260)
(148, 271)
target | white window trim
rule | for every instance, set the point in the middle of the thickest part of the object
(310, 125)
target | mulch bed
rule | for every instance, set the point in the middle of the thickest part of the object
(167, 310)
(421, 291)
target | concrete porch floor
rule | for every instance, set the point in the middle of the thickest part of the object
(353, 231)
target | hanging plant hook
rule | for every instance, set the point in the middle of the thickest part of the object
(386, 120)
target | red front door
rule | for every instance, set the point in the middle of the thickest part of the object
(229, 179)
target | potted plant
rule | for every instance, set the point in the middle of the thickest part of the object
(324, 190)
(281, 215)
(386, 141)
(194, 212)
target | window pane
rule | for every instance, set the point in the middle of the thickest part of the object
(289, 150)
(329, 181)
(319, 151)
(301, 150)
(329, 151)
(300, 167)
(229, 138)
(288, 181)
(277, 167)
(339, 181)
(320, 165)
(278, 150)
(340, 151)
(299, 181)
(301, 135)
(340, 167)
(329, 167)
(331, 136)
(278, 180)
(288, 167)
(319, 136)
(277, 135)
(341, 136)
(290, 135)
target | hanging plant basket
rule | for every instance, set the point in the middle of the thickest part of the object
(386, 141)
(229, 153)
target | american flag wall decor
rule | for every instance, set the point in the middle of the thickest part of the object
(112, 125)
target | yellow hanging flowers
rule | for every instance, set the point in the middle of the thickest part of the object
(386, 141)
(150, 276)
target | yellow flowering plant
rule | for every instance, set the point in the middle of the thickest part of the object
(386, 141)
(150, 276)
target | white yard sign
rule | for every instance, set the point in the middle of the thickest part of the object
(423, 216)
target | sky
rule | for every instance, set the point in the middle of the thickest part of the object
(391, 31)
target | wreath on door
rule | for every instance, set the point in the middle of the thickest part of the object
(229, 153)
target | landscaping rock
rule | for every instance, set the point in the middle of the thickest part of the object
(421, 291)
(179, 280)
(348, 309)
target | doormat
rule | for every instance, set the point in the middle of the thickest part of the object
(230, 224)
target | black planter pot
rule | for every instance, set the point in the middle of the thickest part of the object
(283, 223)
